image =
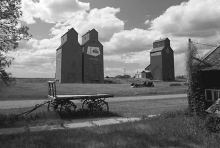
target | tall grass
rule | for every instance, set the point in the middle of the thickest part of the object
(171, 129)
(46, 118)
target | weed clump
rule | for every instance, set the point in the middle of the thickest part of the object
(212, 123)
(177, 113)
(175, 84)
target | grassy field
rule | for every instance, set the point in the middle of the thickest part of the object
(141, 108)
(28, 89)
(173, 129)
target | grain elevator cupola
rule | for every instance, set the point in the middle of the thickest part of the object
(162, 60)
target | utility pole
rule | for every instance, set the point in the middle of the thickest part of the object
(124, 70)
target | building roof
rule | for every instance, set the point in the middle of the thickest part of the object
(148, 67)
(209, 52)
(59, 47)
(161, 40)
(89, 31)
(157, 49)
(71, 29)
(212, 58)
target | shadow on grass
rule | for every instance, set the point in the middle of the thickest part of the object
(83, 114)
(44, 117)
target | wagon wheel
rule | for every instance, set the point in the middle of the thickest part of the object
(53, 106)
(100, 108)
(87, 105)
(68, 107)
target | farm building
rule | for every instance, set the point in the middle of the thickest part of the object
(137, 75)
(162, 61)
(143, 74)
(69, 59)
(210, 72)
(77, 63)
(92, 58)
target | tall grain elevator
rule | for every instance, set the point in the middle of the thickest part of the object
(69, 59)
(162, 60)
(92, 58)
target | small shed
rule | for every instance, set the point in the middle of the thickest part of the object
(146, 74)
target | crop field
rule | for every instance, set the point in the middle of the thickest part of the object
(34, 89)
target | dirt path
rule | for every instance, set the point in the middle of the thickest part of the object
(30, 103)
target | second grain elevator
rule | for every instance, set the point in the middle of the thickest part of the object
(92, 58)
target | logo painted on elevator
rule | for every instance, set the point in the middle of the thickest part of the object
(93, 51)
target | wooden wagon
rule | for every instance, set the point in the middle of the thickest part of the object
(96, 104)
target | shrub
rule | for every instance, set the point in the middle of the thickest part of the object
(195, 87)
(212, 123)
(175, 84)
(178, 113)
(106, 81)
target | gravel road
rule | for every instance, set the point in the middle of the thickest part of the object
(30, 103)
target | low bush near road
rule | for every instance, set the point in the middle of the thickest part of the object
(175, 84)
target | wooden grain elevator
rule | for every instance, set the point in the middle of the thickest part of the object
(92, 58)
(162, 60)
(69, 59)
(77, 63)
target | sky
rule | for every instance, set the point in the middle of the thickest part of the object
(127, 30)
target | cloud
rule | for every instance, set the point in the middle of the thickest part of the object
(179, 64)
(51, 11)
(132, 61)
(142, 58)
(134, 40)
(194, 18)
(147, 22)
(35, 57)
(103, 20)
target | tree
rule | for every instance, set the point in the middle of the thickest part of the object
(195, 88)
(10, 34)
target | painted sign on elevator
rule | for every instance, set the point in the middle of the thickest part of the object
(93, 51)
